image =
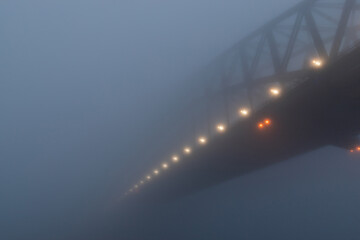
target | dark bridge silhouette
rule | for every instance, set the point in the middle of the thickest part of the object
(296, 81)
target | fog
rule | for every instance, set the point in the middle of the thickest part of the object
(85, 88)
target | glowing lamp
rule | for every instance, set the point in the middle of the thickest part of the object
(220, 128)
(244, 112)
(274, 91)
(187, 150)
(202, 140)
(175, 158)
(316, 63)
(267, 121)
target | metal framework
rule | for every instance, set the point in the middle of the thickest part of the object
(277, 54)
(280, 52)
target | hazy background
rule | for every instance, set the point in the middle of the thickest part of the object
(86, 85)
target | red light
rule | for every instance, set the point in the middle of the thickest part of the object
(267, 121)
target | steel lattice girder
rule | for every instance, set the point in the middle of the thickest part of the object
(304, 14)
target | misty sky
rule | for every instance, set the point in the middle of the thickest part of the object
(83, 83)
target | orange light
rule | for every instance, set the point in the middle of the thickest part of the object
(351, 150)
(267, 121)
(175, 159)
(358, 148)
(202, 140)
(221, 128)
(187, 150)
(260, 125)
(316, 63)
(244, 112)
(274, 91)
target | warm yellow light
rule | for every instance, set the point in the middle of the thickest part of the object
(316, 63)
(202, 140)
(165, 166)
(221, 128)
(358, 148)
(148, 177)
(260, 125)
(187, 150)
(244, 112)
(274, 91)
(156, 172)
(175, 158)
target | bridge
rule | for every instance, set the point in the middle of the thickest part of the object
(290, 87)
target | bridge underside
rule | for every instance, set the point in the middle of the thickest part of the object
(310, 53)
(323, 110)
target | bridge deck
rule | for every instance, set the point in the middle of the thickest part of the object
(323, 110)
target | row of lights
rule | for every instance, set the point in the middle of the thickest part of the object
(221, 128)
(175, 159)
(202, 140)
(355, 149)
(264, 124)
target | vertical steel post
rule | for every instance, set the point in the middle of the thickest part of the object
(314, 32)
(291, 43)
(274, 51)
(224, 83)
(341, 28)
